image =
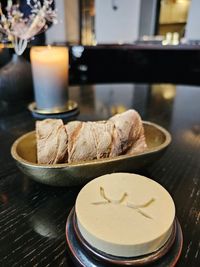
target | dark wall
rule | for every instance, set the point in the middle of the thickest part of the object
(134, 64)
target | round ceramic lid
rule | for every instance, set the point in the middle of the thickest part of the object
(125, 214)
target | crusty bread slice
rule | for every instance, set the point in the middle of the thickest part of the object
(52, 141)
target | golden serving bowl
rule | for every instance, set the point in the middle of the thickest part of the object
(70, 174)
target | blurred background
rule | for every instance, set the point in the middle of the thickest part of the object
(91, 22)
(119, 41)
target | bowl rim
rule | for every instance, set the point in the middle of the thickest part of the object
(18, 158)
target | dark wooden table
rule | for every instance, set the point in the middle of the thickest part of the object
(33, 216)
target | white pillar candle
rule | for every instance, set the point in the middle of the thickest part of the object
(50, 76)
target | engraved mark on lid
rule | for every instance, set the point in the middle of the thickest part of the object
(121, 200)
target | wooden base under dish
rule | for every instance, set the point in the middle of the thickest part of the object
(83, 254)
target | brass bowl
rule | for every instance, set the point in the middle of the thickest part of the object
(70, 174)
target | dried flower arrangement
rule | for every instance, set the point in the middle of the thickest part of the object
(19, 30)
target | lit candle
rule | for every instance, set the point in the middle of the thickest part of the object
(50, 76)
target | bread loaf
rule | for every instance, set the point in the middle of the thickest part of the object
(80, 141)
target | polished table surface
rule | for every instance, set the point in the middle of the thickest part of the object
(33, 216)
